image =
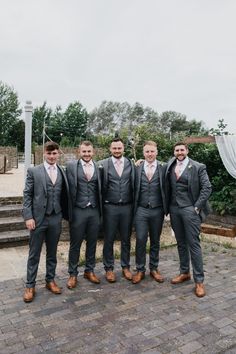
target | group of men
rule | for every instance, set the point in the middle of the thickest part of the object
(117, 194)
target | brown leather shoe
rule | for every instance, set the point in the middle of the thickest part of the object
(155, 274)
(200, 290)
(72, 282)
(52, 286)
(181, 278)
(127, 273)
(29, 294)
(138, 277)
(110, 276)
(91, 277)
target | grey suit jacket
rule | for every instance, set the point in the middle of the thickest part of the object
(72, 176)
(161, 170)
(35, 195)
(199, 186)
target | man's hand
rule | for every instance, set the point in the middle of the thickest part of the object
(30, 224)
(139, 162)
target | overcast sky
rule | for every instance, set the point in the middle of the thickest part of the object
(167, 54)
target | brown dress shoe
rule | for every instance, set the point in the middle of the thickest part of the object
(138, 277)
(72, 282)
(127, 273)
(91, 277)
(29, 294)
(181, 278)
(200, 290)
(52, 286)
(155, 274)
(110, 276)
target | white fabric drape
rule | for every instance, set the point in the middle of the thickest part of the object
(227, 148)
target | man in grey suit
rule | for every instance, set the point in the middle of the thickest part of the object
(118, 174)
(149, 212)
(188, 189)
(85, 191)
(45, 203)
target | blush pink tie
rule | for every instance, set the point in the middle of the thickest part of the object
(178, 169)
(87, 171)
(52, 174)
(150, 171)
(119, 167)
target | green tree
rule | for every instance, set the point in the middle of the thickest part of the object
(54, 129)
(108, 117)
(220, 130)
(18, 135)
(74, 122)
(41, 117)
(9, 113)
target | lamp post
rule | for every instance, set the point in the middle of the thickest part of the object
(28, 134)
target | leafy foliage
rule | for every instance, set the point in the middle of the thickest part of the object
(9, 113)
(68, 127)
(134, 123)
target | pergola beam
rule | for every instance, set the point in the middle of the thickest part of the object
(200, 139)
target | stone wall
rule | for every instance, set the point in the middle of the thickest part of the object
(67, 154)
(8, 159)
(11, 200)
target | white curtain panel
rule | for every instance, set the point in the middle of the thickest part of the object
(227, 148)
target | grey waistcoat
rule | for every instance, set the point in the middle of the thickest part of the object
(150, 192)
(54, 194)
(119, 188)
(179, 189)
(87, 191)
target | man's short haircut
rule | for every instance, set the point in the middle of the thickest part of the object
(181, 143)
(150, 142)
(116, 139)
(86, 143)
(50, 146)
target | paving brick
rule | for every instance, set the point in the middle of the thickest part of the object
(227, 330)
(124, 318)
(223, 322)
(190, 347)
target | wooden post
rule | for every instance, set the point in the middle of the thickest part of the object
(200, 139)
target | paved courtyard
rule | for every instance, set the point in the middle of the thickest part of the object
(125, 318)
(122, 317)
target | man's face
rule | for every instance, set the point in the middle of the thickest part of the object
(51, 156)
(180, 152)
(86, 152)
(117, 149)
(150, 153)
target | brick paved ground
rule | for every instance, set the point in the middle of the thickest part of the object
(126, 318)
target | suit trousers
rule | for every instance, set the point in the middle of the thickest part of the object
(186, 224)
(49, 231)
(148, 222)
(117, 218)
(85, 225)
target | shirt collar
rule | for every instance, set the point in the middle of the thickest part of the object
(84, 163)
(154, 163)
(47, 165)
(114, 160)
(184, 162)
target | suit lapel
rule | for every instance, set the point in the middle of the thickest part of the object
(43, 172)
(159, 169)
(189, 172)
(75, 173)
